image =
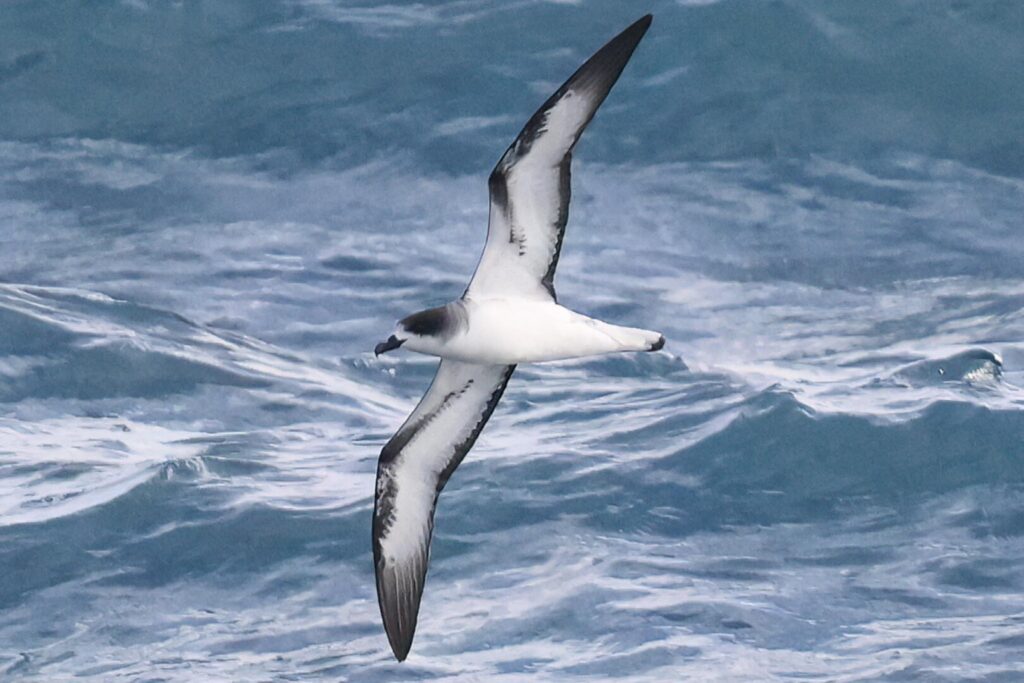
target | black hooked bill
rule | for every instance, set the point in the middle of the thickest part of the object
(393, 342)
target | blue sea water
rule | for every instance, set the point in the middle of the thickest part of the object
(211, 211)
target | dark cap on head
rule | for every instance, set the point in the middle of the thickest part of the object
(429, 323)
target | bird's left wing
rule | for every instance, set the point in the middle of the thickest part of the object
(413, 468)
(530, 186)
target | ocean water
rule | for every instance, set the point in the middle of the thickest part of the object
(211, 211)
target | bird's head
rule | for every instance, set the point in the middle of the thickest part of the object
(424, 332)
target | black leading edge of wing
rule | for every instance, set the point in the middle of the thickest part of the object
(413, 468)
(530, 186)
(596, 77)
(530, 191)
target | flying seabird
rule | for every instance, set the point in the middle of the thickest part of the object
(507, 315)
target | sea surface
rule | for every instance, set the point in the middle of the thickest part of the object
(210, 212)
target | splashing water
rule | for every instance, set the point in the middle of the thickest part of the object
(208, 216)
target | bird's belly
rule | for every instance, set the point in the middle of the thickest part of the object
(508, 332)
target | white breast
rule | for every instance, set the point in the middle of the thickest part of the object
(509, 331)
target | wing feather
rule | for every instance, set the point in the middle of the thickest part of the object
(530, 187)
(413, 468)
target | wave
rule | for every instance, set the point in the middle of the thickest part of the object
(76, 344)
(974, 367)
(818, 478)
(102, 395)
(846, 80)
(766, 460)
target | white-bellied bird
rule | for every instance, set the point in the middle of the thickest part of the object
(507, 315)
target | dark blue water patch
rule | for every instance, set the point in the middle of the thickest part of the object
(229, 445)
(104, 212)
(1014, 642)
(951, 445)
(102, 669)
(720, 80)
(681, 416)
(81, 305)
(523, 665)
(867, 189)
(662, 366)
(21, 64)
(579, 614)
(918, 599)
(250, 541)
(234, 465)
(734, 569)
(614, 311)
(356, 264)
(776, 463)
(845, 556)
(918, 673)
(121, 370)
(41, 555)
(1008, 675)
(283, 642)
(626, 664)
(980, 574)
(46, 471)
(25, 335)
(170, 530)
(254, 273)
(1004, 520)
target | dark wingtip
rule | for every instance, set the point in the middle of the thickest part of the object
(628, 39)
(400, 647)
(660, 344)
(597, 75)
(604, 67)
(399, 612)
(638, 27)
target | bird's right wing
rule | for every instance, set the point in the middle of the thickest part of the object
(530, 186)
(413, 468)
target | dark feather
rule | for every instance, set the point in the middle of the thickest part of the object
(524, 245)
(400, 585)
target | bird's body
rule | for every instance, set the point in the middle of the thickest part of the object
(507, 331)
(508, 314)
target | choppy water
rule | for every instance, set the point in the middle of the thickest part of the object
(210, 212)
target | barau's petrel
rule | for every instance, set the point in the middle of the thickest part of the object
(507, 315)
